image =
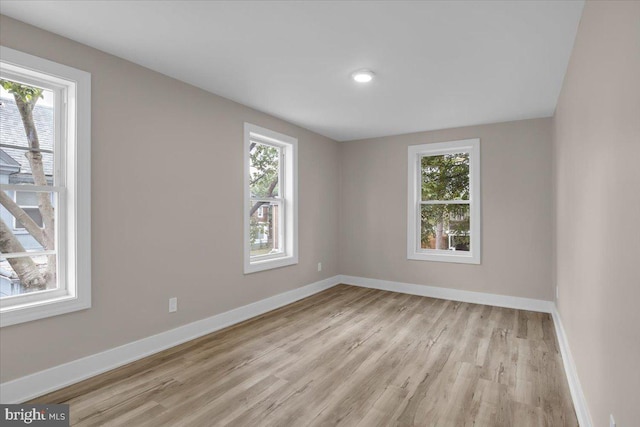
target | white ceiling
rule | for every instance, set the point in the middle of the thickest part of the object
(438, 64)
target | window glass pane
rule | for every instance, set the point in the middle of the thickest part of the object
(27, 274)
(18, 236)
(445, 227)
(34, 214)
(27, 198)
(29, 160)
(264, 229)
(445, 177)
(264, 170)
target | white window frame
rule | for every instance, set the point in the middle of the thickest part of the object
(288, 199)
(414, 197)
(72, 186)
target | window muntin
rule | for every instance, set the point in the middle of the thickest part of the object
(444, 202)
(270, 199)
(45, 194)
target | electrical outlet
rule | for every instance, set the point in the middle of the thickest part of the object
(319, 266)
(612, 422)
(173, 305)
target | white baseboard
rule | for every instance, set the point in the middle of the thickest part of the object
(39, 383)
(577, 395)
(452, 294)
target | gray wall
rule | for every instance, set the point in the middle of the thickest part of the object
(157, 142)
(597, 149)
(517, 213)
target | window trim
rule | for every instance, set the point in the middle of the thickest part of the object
(74, 259)
(288, 185)
(415, 153)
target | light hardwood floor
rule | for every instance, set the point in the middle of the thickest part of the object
(348, 356)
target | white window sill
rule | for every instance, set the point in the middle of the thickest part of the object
(451, 256)
(15, 314)
(268, 264)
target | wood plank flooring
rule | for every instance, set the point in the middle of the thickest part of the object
(350, 357)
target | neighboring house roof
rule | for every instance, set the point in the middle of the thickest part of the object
(12, 134)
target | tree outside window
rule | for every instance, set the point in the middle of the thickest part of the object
(264, 176)
(443, 195)
(33, 167)
(445, 180)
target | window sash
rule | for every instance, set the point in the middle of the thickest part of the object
(419, 248)
(280, 202)
(62, 289)
(281, 160)
(60, 89)
(59, 219)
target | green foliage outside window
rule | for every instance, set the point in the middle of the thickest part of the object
(264, 168)
(445, 178)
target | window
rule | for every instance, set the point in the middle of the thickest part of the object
(28, 202)
(45, 243)
(270, 207)
(444, 202)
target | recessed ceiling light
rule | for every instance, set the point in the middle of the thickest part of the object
(362, 76)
